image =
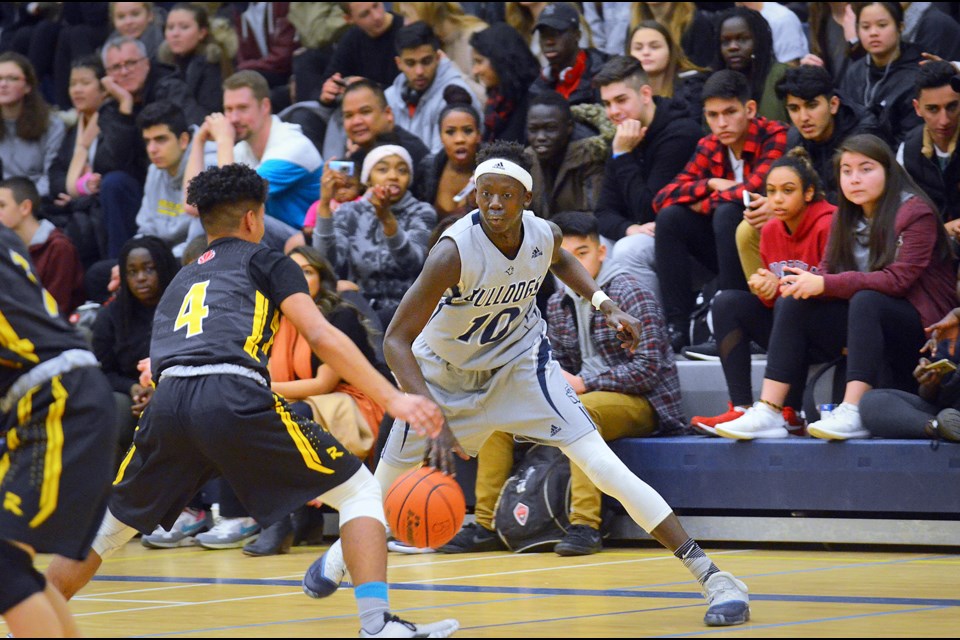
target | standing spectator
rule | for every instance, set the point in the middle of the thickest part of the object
(84, 27)
(445, 178)
(687, 24)
(932, 30)
(189, 45)
(366, 50)
(133, 81)
(653, 143)
(888, 273)
(502, 62)
(883, 80)
(746, 45)
(567, 173)
(570, 68)
(416, 95)
(929, 153)
(54, 256)
(121, 332)
(454, 28)
(789, 41)
(381, 239)
(670, 73)
(698, 213)
(606, 20)
(137, 20)
(267, 40)
(32, 133)
(247, 133)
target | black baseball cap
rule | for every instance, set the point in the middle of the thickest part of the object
(561, 16)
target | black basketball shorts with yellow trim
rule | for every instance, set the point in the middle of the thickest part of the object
(200, 427)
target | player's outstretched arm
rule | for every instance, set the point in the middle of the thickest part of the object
(339, 351)
(572, 273)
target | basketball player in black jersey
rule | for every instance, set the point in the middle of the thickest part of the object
(213, 412)
(57, 410)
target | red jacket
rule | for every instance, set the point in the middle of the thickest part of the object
(281, 42)
(804, 249)
(926, 281)
(60, 271)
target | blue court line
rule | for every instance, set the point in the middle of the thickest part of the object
(549, 591)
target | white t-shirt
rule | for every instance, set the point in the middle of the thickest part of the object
(737, 165)
(789, 41)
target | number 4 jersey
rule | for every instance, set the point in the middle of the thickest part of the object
(224, 308)
(491, 316)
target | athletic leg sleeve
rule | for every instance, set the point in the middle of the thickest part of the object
(608, 472)
(358, 497)
(112, 535)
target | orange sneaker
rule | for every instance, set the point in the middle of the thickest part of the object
(707, 425)
(796, 425)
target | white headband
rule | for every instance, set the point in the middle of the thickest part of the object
(379, 153)
(505, 168)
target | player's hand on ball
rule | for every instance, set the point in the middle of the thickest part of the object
(440, 450)
(423, 415)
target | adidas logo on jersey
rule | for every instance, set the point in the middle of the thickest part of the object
(554, 430)
(509, 271)
(536, 252)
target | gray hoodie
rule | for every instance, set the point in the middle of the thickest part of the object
(592, 361)
(161, 210)
(425, 121)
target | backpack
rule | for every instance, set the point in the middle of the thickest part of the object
(533, 508)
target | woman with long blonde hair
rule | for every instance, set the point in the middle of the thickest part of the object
(687, 25)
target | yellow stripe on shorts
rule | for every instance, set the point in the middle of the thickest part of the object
(310, 456)
(53, 457)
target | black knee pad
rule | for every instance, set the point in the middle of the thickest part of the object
(20, 579)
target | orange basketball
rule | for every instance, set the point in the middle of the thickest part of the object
(425, 508)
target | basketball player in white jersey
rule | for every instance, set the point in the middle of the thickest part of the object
(468, 334)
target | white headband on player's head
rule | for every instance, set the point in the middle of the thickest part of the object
(505, 168)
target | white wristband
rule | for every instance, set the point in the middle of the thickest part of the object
(598, 299)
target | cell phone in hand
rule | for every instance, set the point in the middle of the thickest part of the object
(345, 167)
(942, 367)
(747, 198)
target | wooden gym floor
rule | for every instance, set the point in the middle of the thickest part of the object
(623, 592)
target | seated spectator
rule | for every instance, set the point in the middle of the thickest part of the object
(266, 41)
(31, 133)
(54, 256)
(138, 21)
(446, 177)
(567, 173)
(626, 394)
(795, 236)
(380, 241)
(653, 142)
(349, 189)
(746, 45)
(314, 390)
(416, 96)
(687, 24)
(789, 41)
(932, 30)
(821, 119)
(366, 50)
(503, 64)
(167, 138)
(84, 26)
(698, 212)
(248, 133)
(606, 20)
(71, 173)
(934, 411)
(122, 330)
(190, 46)
(523, 16)
(833, 38)
(570, 68)
(883, 80)
(319, 27)
(133, 81)
(454, 27)
(34, 27)
(887, 273)
(929, 153)
(671, 75)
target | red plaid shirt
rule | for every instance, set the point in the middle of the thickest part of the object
(766, 141)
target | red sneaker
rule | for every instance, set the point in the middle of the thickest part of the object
(707, 425)
(796, 425)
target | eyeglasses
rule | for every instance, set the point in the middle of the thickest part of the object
(129, 65)
(12, 79)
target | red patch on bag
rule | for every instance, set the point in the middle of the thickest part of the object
(520, 513)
